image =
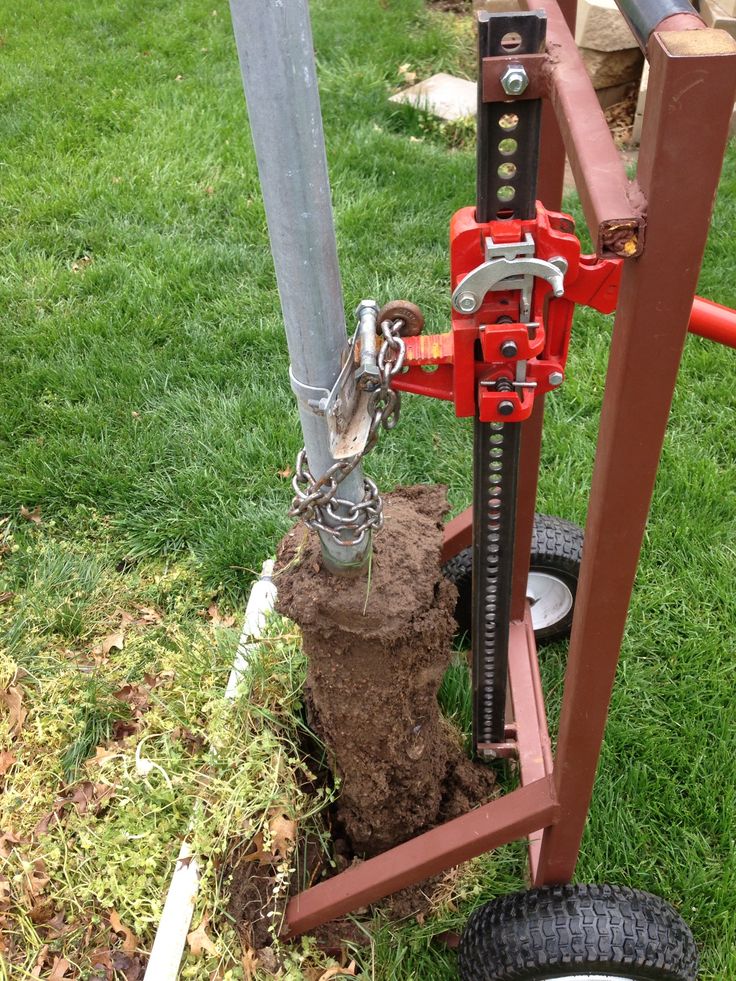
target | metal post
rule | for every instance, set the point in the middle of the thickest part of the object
(274, 41)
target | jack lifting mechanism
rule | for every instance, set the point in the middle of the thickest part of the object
(517, 274)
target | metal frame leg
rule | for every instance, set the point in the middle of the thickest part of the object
(689, 70)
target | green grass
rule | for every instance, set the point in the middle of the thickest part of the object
(144, 405)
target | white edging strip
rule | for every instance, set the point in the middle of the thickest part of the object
(176, 918)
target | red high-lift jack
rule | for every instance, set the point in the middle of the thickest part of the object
(516, 275)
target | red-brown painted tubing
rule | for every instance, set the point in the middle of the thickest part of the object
(713, 321)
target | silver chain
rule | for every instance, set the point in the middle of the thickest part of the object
(316, 502)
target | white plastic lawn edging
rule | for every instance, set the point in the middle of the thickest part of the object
(176, 918)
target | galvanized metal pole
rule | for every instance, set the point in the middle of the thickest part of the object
(274, 41)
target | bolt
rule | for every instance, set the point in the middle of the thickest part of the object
(366, 306)
(514, 80)
(509, 348)
(555, 378)
(505, 408)
(466, 302)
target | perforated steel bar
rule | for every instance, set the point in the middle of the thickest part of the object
(508, 160)
(508, 132)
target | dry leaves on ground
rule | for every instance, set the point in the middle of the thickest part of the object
(215, 617)
(130, 941)
(33, 516)
(12, 698)
(338, 972)
(283, 834)
(199, 940)
(84, 796)
(250, 964)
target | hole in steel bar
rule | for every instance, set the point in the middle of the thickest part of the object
(507, 171)
(508, 146)
(506, 193)
(511, 41)
(509, 121)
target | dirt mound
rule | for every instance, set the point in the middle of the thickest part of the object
(377, 647)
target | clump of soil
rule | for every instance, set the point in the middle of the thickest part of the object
(377, 647)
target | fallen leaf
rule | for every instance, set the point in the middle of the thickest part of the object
(6, 761)
(193, 743)
(100, 961)
(250, 964)
(42, 912)
(148, 614)
(83, 796)
(137, 696)
(36, 879)
(8, 841)
(217, 620)
(40, 961)
(56, 927)
(286, 472)
(33, 516)
(59, 969)
(103, 754)
(4, 892)
(6, 598)
(199, 941)
(283, 834)
(179, 78)
(134, 414)
(339, 972)
(12, 699)
(130, 941)
(81, 263)
(124, 728)
(115, 640)
(259, 855)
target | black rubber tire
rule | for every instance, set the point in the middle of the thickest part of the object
(566, 931)
(557, 549)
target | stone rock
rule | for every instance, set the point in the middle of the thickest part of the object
(639, 116)
(607, 68)
(614, 93)
(443, 95)
(601, 27)
(716, 16)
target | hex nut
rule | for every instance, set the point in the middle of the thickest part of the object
(555, 378)
(514, 80)
(467, 302)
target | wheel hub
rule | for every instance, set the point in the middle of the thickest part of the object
(551, 600)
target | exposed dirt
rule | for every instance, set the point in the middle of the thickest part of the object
(452, 6)
(377, 649)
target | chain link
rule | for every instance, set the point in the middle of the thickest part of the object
(316, 501)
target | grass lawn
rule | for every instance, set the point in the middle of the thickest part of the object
(145, 411)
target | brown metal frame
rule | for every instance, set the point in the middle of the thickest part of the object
(663, 223)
